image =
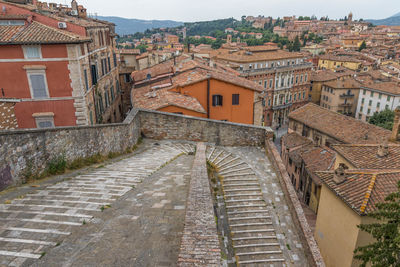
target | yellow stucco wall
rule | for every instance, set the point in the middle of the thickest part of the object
(336, 230)
(332, 65)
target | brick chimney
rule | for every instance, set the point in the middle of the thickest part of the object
(396, 125)
(339, 176)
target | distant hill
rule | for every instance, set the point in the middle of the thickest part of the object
(390, 21)
(130, 26)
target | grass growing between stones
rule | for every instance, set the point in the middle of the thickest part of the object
(59, 165)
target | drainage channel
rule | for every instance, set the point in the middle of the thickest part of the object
(221, 218)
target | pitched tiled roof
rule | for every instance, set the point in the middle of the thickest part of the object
(329, 75)
(315, 159)
(386, 87)
(340, 127)
(366, 156)
(292, 140)
(243, 56)
(348, 83)
(37, 33)
(363, 189)
(148, 98)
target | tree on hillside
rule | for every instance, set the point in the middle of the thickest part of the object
(296, 44)
(386, 231)
(362, 46)
(383, 119)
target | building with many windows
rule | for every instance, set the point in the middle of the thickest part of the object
(285, 77)
(59, 64)
(376, 97)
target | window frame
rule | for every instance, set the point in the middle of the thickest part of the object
(38, 72)
(235, 99)
(24, 48)
(216, 99)
(44, 118)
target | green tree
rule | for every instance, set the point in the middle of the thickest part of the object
(362, 46)
(383, 119)
(385, 252)
(296, 44)
(142, 48)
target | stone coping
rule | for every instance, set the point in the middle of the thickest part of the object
(295, 207)
(131, 116)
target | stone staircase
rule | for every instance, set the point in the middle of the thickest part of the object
(252, 231)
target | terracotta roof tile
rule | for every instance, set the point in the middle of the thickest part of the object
(292, 140)
(363, 189)
(366, 156)
(37, 33)
(343, 128)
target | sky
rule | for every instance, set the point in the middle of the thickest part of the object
(200, 10)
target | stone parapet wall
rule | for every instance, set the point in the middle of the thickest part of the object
(200, 244)
(305, 232)
(161, 125)
(34, 148)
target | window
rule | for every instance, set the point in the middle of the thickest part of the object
(380, 95)
(304, 95)
(269, 103)
(370, 102)
(112, 93)
(301, 78)
(265, 83)
(372, 94)
(297, 79)
(32, 51)
(235, 99)
(359, 116)
(109, 64)
(118, 88)
(44, 121)
(38, 85)
(387, 107)
(306, 78)
(361, 109)
(127, 78)
(217, 100)
(378, 105)
(93, 71)
(115, 59)
(270, 83)
(294, 97)
(86, 80)
(369, 111)
(362, 100)
(388, 98)
(364, 92)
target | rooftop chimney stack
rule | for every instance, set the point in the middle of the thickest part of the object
(396, 126)
(339, 176)
(383, 150)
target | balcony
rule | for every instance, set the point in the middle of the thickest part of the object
(345, 105)
(276, 68)
(282, 106)
(346, 95)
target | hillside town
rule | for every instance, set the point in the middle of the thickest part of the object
(254, 142)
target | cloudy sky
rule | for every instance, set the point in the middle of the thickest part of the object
(197, 10)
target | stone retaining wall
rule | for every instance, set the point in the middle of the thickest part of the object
(295, 207)
(161, 125)
(32, 149)
(200, 244)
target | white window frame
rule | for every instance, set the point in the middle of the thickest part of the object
(44, 117)
(37, 72)
(25, 52)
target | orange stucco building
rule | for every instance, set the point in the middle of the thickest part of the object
(205, 92)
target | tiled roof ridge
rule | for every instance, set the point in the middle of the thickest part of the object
(344, 116)
(368, 193)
